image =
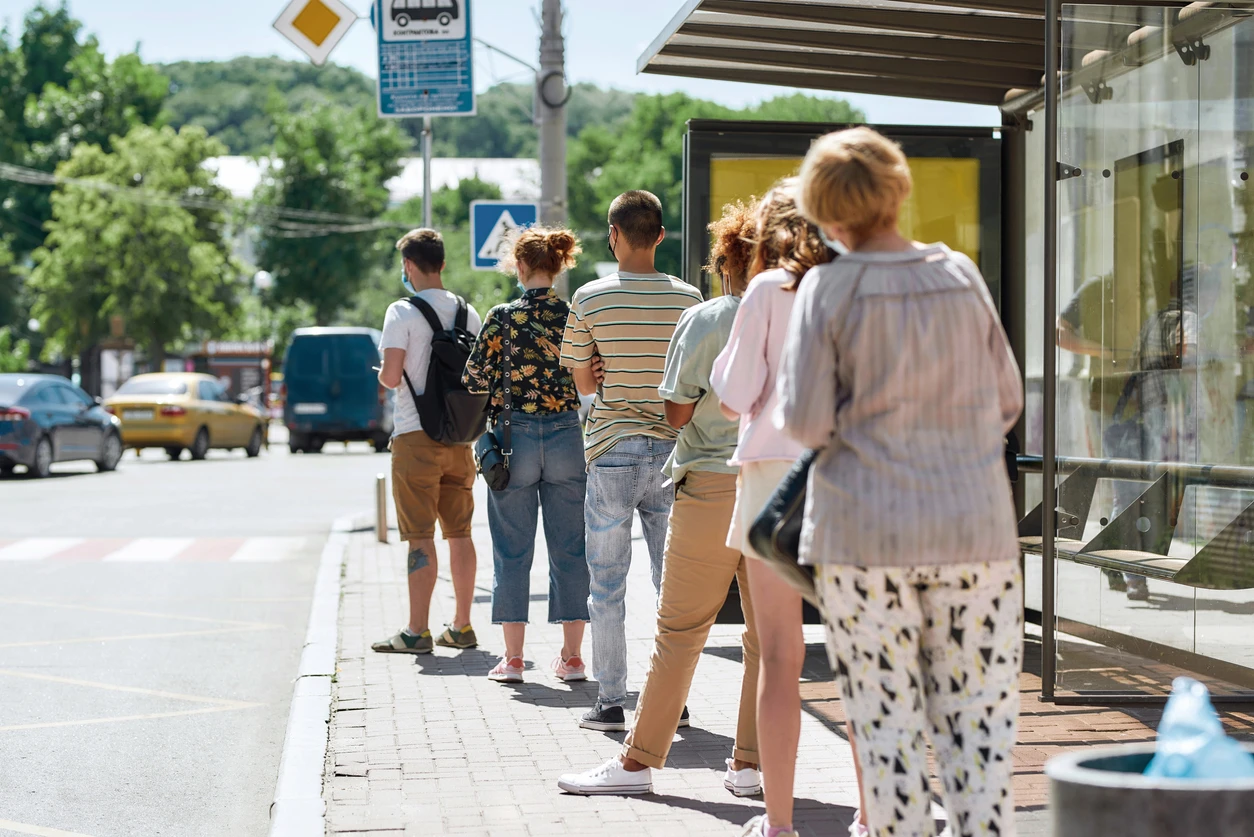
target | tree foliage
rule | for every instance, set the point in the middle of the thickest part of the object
(124, 249)
(14, 353)
(327, 160)
(646, 152)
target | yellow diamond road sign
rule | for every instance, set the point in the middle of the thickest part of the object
(315, 26)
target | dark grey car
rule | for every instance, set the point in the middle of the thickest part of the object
(46, 419)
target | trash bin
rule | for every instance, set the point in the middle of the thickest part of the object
(1102, 793)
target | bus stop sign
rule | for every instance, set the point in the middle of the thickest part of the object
(425, 52)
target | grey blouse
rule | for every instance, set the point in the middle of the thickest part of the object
(898, 364)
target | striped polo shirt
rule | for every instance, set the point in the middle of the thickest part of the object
(628, 318)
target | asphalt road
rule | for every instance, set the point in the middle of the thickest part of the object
(151, 622)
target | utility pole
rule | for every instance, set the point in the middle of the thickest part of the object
(550, 110)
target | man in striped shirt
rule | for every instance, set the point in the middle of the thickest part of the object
(627, 320)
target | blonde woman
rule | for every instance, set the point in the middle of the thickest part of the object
(546, 470)
(897, 365)
(786, 247)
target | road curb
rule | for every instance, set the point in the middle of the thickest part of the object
(298, 809)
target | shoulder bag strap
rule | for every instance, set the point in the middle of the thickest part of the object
(507, 368)
(433, 319)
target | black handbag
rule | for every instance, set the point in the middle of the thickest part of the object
(492, 453)
(776, 532)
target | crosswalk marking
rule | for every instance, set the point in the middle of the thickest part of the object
(149, 549)
(153, 550)
(36, 549)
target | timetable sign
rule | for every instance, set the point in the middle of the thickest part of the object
(425, 58)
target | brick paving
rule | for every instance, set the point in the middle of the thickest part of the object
(428, 745)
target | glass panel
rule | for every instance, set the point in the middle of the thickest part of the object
(1127, 328)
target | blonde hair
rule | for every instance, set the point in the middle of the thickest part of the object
(784, 238)
(732, 247)
(857, 178)
(546, 250)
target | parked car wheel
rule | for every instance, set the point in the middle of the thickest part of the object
(110, 453)
(380, 443)
(200, 445)
(295, 442)
(314, 445)
(42, 465)
(174, 453)
(254, 443)
(402, 20)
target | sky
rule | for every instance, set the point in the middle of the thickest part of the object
(604, 39)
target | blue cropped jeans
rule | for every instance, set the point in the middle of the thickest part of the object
(624, 480)
(546, 474)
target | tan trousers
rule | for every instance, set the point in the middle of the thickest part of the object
(696, 573)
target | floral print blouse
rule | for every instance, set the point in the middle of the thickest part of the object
(541, 386)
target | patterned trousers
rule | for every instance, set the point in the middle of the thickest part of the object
(935, 649)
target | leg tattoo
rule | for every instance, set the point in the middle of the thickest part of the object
(417, 560)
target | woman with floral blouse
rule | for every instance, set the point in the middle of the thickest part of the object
(546, 469)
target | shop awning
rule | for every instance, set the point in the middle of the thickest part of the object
(975, 51)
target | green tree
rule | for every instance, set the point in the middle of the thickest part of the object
(646, 152)
(336, 161)
(49, 42)
(120, 244)
(14, 353)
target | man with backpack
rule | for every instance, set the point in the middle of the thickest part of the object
(426, 341)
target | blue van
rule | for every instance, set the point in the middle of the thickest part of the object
(332, 391)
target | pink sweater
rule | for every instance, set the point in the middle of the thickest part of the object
(745, 372)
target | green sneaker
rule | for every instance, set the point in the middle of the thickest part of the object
(405, 643)
(453, 638)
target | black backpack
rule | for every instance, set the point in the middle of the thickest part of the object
(449, 413)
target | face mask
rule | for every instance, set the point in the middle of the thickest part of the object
(834, 244)
(406, 283)
(609, 242)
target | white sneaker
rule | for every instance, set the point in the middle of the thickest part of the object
(609, 778)
(757, 826)
(747, 782)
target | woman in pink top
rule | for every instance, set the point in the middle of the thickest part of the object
(743, 377)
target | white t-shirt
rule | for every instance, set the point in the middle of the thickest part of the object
(405, 327)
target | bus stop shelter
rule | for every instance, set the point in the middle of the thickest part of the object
(1124, 268)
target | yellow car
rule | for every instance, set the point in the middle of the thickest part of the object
(177, 410)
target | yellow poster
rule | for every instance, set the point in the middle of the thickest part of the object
(944, 205)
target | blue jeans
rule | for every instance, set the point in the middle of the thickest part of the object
(546, 473)
(625, 479)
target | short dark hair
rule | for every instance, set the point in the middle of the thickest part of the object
(638, 216)
(425, 248)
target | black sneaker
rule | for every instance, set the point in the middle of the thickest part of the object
(604, 719)
(683, 719)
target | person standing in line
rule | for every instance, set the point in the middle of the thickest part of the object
(546, 472)
(744, 377)
(430, 481)
(627, 319)
(896, 365)
(698, 570)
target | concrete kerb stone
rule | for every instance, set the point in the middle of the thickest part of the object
(298, 809)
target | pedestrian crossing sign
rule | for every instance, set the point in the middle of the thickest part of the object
(492, 225)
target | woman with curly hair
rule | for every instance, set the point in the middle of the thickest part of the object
(546, 467)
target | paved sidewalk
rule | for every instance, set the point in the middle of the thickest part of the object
(428, 745)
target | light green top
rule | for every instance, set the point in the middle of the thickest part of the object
(709, 440)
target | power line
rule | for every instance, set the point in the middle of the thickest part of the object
(285, 218)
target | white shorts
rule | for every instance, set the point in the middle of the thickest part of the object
(755, 485)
